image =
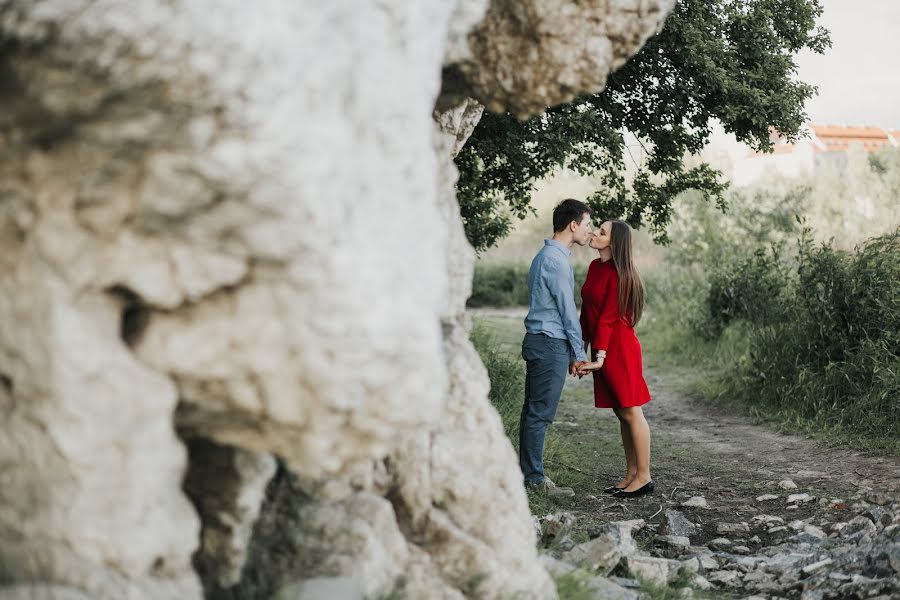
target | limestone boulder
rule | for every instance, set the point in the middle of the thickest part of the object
(231, 228)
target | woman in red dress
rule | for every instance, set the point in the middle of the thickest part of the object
(612, 304)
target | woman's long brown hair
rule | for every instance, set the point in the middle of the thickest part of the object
(631, 288)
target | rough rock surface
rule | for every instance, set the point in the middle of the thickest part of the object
(227, 487)
(528, 55)
(239, 220)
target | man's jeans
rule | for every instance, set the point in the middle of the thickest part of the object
(546, 366)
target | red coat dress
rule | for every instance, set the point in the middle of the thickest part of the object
(620, 381)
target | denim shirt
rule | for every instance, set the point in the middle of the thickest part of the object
(551, 293)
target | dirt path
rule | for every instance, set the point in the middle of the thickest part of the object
(757, 451)
(698, 449)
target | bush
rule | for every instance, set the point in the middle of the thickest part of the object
(506, 284)
(751, 289)
(831, 360)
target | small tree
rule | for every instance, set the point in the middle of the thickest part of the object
(727, 59)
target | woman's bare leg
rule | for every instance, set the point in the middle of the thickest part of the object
(630, 457)
(639, 432)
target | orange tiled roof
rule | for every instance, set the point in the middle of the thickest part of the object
(837, 138)
(837, 131)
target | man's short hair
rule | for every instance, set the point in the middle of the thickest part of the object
(567, 211)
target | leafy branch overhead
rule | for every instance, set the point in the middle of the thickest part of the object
(732, 60)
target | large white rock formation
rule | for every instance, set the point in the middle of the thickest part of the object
(238, 219)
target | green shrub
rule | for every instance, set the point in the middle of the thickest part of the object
(506, 284)
(831, 361)
(676, 327)
(499, 285)
(750, 288)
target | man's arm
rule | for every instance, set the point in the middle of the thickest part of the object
(559, 282)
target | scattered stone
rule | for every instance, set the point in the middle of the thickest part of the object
(625, 582)
(766, 520)
(556, 527)
(797, 525)
(691, 565)
(604, 587)
(878, 498)
(730, 528)
(799, 498)
(776, 529)
(878, 515)
(746, 563)
(554, 566)
(708, 562)
(785, 561)
(766, 497)
(719, 544)
(815, 532)
(725, 578)
(805, 538)
(686, 592)
(787, 484)
(858, 527)
(810, 569)
(701, 583)
(755, 540)
(600, 554)
(660, 571)
(741, 550)
(695, 502)
(677, 524)
(675, 541)
(753, 578)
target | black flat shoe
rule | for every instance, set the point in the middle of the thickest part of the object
(612, 490)
(641, 491)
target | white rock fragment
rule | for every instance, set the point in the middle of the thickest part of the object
(695, 502)
(810, 569)
(799, 498)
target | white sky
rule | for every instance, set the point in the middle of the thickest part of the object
(859, 76)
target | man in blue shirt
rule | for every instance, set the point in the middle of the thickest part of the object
(553, 345)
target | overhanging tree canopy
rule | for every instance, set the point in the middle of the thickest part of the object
(732, 60)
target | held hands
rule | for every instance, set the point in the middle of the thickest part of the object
(584, 367)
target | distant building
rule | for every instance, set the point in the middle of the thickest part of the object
(820, 146)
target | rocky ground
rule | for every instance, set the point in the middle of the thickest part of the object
(740, 510)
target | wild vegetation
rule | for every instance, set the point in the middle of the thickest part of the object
(795, 322)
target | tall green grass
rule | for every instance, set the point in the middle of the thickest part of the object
(507, 375)
(828, 358)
